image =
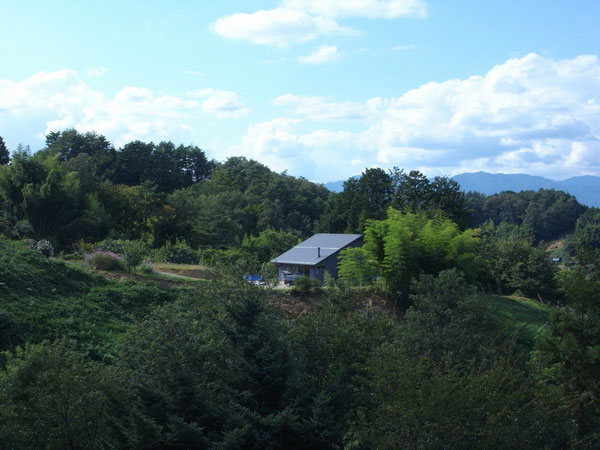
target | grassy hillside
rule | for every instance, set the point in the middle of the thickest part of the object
(517, 315)
(45, 299)
(42, 298)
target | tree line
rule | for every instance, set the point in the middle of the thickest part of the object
(88, 362)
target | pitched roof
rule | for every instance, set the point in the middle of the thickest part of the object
(316, 248)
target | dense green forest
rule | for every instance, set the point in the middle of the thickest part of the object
(464, 321)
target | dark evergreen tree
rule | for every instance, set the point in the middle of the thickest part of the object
(4, 153)
(570, 355)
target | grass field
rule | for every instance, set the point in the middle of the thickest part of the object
(518, 314)
(192, 271)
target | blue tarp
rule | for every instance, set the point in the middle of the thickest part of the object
(254, 277)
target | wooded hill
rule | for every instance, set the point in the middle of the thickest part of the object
(218, 363)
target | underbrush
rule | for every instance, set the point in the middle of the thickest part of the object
(104, 260)
(45, 299)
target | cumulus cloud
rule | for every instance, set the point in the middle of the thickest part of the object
(320, 109)
(46, 102)
(387, 9)
(324, 54)
(530, 114)
(279, 144)
(277, 27)
(223, 104)
(304, 20)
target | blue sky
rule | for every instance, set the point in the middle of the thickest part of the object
(320, 88)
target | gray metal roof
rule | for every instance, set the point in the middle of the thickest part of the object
(316, 248)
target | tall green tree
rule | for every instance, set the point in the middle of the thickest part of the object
(4, 153)
(69, 143)
(406, 244)
(570, 356)
(513, 264)
(54, 397)
(549, 214)
(363, 198)
(269, 244)
(213, 369)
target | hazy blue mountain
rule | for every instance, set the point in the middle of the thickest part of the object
(585, 188)
(335, 186)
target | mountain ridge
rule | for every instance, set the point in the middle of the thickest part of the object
(585, 188)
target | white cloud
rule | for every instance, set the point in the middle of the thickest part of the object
(319, 109)
(223, 104)
(277, 27)
(280, 145)
(46, 102)
(95, 72)
(324, 54)
(387, 9)
(529, 114)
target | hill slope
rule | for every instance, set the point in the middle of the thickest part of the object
(585, 188)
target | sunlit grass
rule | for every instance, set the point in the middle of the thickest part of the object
(516, 314)
(158, 266)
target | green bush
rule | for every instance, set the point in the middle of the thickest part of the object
(111, 245)
(134, 253)
(306, 285)
(23, 230)
(146, 269)
(102, 260)
(180, 253)
(232, 261)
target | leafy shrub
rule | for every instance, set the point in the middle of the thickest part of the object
(233, 260)
(28, 243)
(329, 280)
(9, 332)
(180, 253)
(146, 268)
(305, 285)
(102, 260)
(83, 248)
(134, 253)
(23, 229)
(4, 226)
(112, 245)
(44, 247)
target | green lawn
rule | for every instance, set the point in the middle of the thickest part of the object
(518, 314)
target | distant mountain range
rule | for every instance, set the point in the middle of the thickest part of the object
(585, 188)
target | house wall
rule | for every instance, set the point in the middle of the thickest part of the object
(293, 268)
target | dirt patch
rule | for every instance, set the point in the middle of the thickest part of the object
(296, 306)
(200, 274)
(122, 276)
(555, 245)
